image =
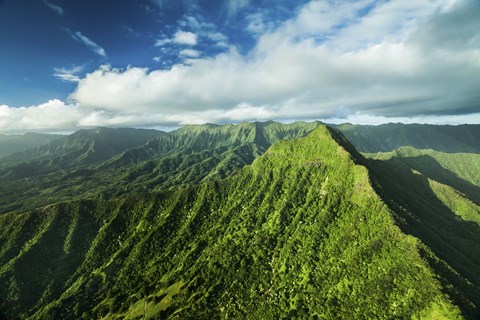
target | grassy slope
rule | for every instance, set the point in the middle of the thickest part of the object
(299, 232)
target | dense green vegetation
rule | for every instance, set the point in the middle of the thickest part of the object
(388, 137)
(432, 203)
(104, 163)
(16, 143)
(452, 168)
(299, 233)
(239, 221)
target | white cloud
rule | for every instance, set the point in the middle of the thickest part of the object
(185, 37)
(192, 30)
(68, 75)
(191, 22)
(219, 38)
(299, 77)
(256, 23)
(54, 115)
(434, 119)
(310, 67)
(162, 42)
(190, 53)
(78, 36)
(55, 8)
(203, 29)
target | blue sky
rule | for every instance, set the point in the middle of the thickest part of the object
(68, 64)
(41, 38)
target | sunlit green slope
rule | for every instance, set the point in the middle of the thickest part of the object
(300, 233)
(103, 163)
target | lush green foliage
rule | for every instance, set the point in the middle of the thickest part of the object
(103, 163)
(389, 137)
(299, 233)
(430, 202)
(452, 168)
(157, 225)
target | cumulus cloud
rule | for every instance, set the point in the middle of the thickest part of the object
(193, 29)
(256, 23)
(390, 77)
(54, 115)
(358, 61)
(294, 76)
(190, 53)
(161, 42)
(185, 37)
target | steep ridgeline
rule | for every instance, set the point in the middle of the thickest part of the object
(15, 143)
(193, 154)
(189, 155)
(300, 233)
(198, 138)
(388, 137)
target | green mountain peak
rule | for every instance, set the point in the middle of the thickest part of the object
(298, 233)
(257, 220)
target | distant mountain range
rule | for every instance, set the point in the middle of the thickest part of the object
(15, 143)
(388, 137)
(256, 220)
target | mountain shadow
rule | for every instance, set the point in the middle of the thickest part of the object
(432, 169)
(420, 212)
(391, 136)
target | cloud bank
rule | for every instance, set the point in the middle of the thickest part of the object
(365, 61)
(52, 116)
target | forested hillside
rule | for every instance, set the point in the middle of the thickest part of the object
(391, 136)
(299, 233)
(436, 196)
(256, 221)
(82, 147)
(103, 163)
(16, 143)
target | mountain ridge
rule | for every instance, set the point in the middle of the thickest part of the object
(16, 143)
(291, 235)
(388, 137)
(226, 214)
